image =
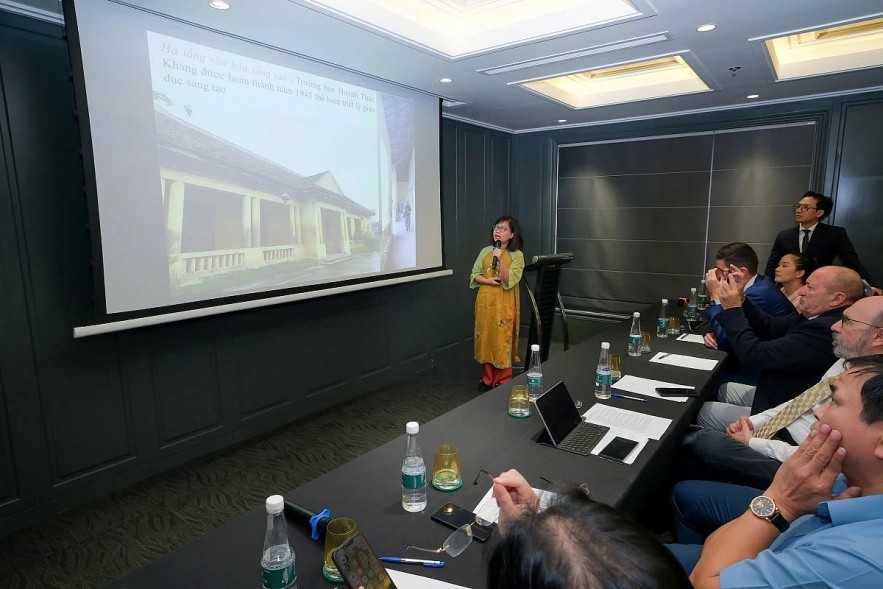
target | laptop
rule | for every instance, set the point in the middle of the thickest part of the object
(565, 428)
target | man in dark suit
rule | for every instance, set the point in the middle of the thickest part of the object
(816, 240)
(791, 353)
(760, 290)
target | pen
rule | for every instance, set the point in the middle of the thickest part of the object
(621, 396)
(661, 356)
(427, 563)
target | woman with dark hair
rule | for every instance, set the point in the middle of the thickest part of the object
(791, 274)
(496, 274)
(576, 543)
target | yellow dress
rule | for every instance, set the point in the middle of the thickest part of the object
(496, 310)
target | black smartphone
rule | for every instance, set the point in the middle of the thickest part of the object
(677, 391)
(359, 566)
(453, 516)
(618, 449)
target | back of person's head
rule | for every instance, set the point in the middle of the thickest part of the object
(847, 281)
(738, 254)
(823, 203)
(806, 263)
(580, 544)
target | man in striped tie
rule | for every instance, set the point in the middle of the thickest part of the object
(749, 449)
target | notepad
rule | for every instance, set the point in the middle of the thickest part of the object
(684, 361)
(647, 386)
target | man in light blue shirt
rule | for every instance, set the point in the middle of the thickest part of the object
(795, 534)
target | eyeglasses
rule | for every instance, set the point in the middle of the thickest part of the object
(501, 228)
(457, 542)
(847, 320)
(804, 208)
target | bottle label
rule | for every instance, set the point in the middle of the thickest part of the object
(634, 340)
(534, 380)
(602, 378)
(279, 578)
(414, 481)
(662, 323)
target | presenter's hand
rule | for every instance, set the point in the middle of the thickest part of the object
(514, 497)
(709, 341)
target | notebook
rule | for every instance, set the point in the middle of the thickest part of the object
(565, 428)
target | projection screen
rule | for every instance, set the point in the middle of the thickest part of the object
(220, 171)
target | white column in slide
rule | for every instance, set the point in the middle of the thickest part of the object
(175, 218)
(255, 221)
(292, 223)
(246, 221)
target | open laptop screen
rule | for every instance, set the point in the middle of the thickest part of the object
(558, 412)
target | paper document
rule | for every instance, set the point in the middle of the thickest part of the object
(626, 424)
(684, 361)
(691, 337)
(646, 386)
(488, 510)
(409, 581)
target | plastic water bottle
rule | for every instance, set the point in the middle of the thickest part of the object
(702, 296)
(277, 562)
(602, 374)
(635, 335)
(413, 472)
(534, 374)
(662, 322)
(692, 305)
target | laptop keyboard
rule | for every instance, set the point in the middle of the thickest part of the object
(583, 438)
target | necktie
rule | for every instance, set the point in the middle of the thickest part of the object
(797, 407)
(805, 242)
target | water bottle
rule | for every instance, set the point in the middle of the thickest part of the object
(691, 305)
(277, 562)
(602, 375)
(534, 374)
(662, 322)
(635, 335)
(413, 472)
(702, 297)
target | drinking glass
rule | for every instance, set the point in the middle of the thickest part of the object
(519, 401)
(339, 530)
(674, 326)
(615, 367)
(645, 342)
(446, 468)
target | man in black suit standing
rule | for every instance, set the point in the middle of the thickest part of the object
(820, 241)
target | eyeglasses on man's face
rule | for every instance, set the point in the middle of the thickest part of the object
(804, 208)
(847, 320)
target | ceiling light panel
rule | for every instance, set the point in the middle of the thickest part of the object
(630, 82)
(458, 28)
(840, 48)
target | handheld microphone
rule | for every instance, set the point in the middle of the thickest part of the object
(317, 523)
(496, 262)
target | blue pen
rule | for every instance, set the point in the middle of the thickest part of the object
(427, 563)
(621, 396)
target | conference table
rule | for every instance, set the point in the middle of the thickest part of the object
(368, 488)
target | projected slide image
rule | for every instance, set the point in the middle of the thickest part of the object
(274, 178)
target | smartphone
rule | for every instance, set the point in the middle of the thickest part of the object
(677, 392)
(453, 516)
(618, 449)
(359, 566)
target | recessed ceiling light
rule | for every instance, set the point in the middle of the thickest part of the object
(446, 80)
(219, 4)
(706, 27)
(562, 120)
(753, 96)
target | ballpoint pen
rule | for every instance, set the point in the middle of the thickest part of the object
(427, 563)
(621, 396)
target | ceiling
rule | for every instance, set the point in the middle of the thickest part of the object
(492, 99)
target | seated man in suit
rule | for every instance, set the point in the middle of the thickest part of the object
(816, 240)
(760, 290)
(749, 450)
(803, 531)
(790, 353)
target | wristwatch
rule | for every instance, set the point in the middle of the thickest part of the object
(765, 508)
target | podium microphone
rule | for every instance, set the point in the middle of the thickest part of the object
(317, 523)
(495, 264)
